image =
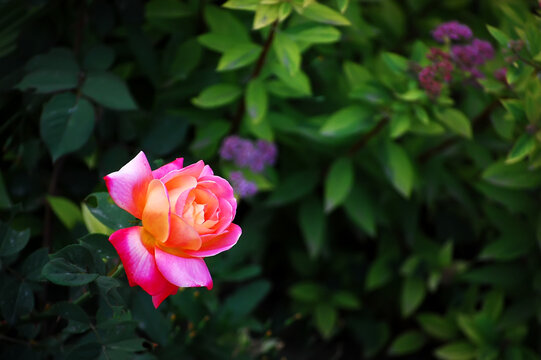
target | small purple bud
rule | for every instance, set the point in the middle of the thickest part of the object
(452, 30)
(242, 187)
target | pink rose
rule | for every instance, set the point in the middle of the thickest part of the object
(186, 215)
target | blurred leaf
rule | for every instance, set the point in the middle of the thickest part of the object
(217, 95)
(243, 301)
(342, 5)
(345, 300)
(400, 124)
(12, 241)
(457, 122)
(33, 264)
(499, 35)
(325, 318)
(413, 294)
(460, 350)
(493, 304)
(5, 201)
(523, 147)
(379, 273)
(241, 4)
(338, 183)
(395, 62)
(314, 34)
(348, 121)
(108, 90)
(78, 320)
(514, 176)
(17, 299)
(437, 326)
(295, 186)
(307, 292)
(359, 207)
(186, 59)
(66, 124)
(225, 22)
(99, 57)
(470, 329)
(207, 138)
(287, 52)
(312, 221)
(159, 139)
(167, 9)
(100, 246)
(47, 81)
(265, 15)
(507, 247)
(66, 210)
(238, 56)
(256, 100)
(407, 343)
(514, 200)
(324, 14)
(398, 168)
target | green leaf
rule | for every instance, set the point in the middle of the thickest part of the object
(407, 343)
(379, 273)
(217, 95)
(509, 246)
(400, 124)
(70, 267)
(314, 34)
(78, 320)
(186, 59)
(395, 62)
(34, 263)
(245, 300)
(208, 137)
(17, 299)
(56, 59)
(493, 304)
(499, 35)
(514, 176)
(342, 5)
(47, 81)
(338, 183)
(297, 85)
(238, 56)
(460, 350)
(5, 201)
(470, 329)
(514, 200)
(345, 300)
(359, 207)
(312, 221)
(99, 57)
(93, 225)
(349, 121)
(307, 292)
(456, 121)
(398, 168)
(225, 22)
(218, 42)
(66, 124)
(293, 187)
(287, 52)
(265, 15)
(256, 100)
(67, 211)
(108, 90)
(413, 294)
(437, 326)
(250, 5)
(325, 318)
(324, 14)
(108, 213)
(12, 241)
(167, 9)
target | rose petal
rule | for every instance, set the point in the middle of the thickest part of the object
(215, 244)
(156, 212)
(128, 186)
(157, 299)
(177, 186)
(182, 235)
(190, 170)
(183, 271)
(138, 260)
(167, 168)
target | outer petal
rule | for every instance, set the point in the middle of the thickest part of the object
(157, 299)
(138, 260)
(128, 186)
(182, 235)
(156, 212)
(215, 244)
(167, 168)
(183, 271)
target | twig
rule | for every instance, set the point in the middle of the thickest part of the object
(368, 136)
(255, 73)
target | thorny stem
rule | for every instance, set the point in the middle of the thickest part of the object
(255, 73)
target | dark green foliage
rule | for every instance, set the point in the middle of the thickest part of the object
(393, 224)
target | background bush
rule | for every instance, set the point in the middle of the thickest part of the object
(395, 222)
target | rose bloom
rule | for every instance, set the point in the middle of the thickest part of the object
(186, 214)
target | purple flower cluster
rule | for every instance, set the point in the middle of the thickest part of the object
(468, 57)
(245, 153)
(465, 55)
(452, 30)
(501, 75)
(242, 187)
